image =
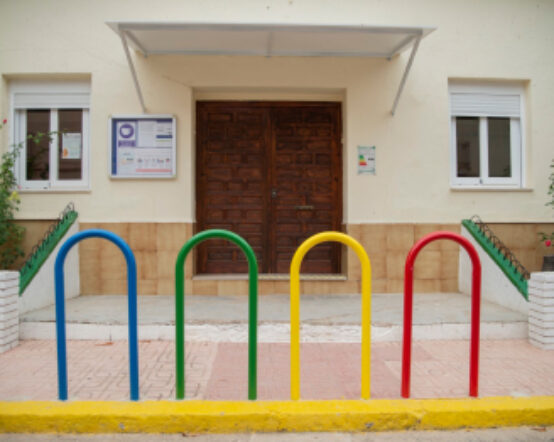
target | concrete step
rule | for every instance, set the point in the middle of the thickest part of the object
(324, 318)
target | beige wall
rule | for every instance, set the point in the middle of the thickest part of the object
(34, 233)
(505, 39)
(522, 240)
(387, 245)
(156, 246)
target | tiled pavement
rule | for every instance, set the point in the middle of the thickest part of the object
(99, 370)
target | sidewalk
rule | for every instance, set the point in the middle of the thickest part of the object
(216, 349)
(217, 371)
(216, 367)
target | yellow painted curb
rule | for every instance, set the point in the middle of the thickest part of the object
(271, 416)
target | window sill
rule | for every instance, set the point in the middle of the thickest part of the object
(490, 189)
(56, 190)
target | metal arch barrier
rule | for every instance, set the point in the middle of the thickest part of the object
(408, 309)
(295, 308)
(132, 307)
(180, 307)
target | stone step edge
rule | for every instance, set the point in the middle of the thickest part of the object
(273, 333)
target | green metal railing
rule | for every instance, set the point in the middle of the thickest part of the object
(499, 253)
(180, 307)
(41, 251)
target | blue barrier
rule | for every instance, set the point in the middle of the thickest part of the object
(132, 307)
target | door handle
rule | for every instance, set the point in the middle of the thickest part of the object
(304, 207)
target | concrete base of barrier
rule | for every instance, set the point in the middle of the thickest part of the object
(269, 416)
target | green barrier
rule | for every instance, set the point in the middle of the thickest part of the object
(180, 307)
(33, 264)
(515, 277)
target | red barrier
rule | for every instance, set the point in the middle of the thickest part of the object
(408, 309)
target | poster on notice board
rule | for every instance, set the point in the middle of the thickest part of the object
(142, 146)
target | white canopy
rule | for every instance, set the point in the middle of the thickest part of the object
(299, 40)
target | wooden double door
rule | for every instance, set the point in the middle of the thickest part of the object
(271, 172)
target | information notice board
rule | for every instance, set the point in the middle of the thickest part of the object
(142, 146)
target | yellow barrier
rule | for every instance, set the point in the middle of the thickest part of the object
(295, 307)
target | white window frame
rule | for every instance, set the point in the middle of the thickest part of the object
(512, 91)
(52, 96)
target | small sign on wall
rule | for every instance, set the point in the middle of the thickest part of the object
(142, 146)
(366, 160)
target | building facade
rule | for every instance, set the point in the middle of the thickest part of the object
(279, 147)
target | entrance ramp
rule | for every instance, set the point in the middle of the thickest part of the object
(503, 277)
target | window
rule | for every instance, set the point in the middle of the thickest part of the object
(486, 129)
(62, 108)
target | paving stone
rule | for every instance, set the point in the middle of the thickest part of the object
(99, 370)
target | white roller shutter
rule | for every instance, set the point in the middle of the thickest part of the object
(55, 94)
(485, 105)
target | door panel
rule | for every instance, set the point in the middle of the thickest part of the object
(305, 140)
(270, 172)
(231, 184)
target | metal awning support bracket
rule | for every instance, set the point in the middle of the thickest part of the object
(406, 72)
(123, 35)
